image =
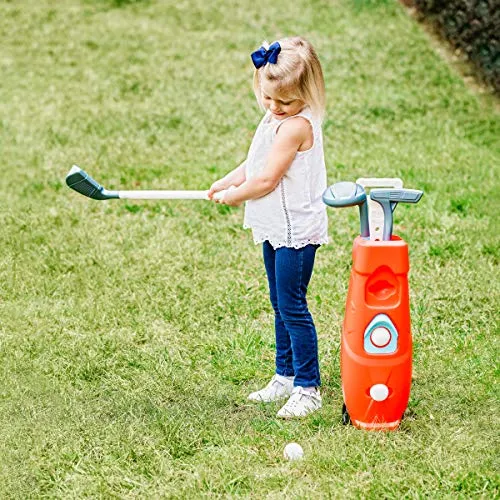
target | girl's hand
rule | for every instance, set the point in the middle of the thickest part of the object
(217, 186)
(229, 198)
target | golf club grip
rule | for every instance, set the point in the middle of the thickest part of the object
(163, 195)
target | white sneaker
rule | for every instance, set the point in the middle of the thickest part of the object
(301, 403)
(279, 388)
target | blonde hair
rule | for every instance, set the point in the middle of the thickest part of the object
(296, 75)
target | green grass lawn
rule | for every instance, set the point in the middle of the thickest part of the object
(132, 332)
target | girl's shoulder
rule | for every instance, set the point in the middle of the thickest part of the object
(299, 130)
(303, 119)
(295, 125)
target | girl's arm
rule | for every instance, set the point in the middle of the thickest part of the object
(234, 178)
(285, 146)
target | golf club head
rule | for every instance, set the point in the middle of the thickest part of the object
(389, 199)
(396, 195)
(349, 194)
(82, 183)
(344, 194)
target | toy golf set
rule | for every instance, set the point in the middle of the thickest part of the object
(376, 346)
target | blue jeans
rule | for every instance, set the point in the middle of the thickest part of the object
(288, 273)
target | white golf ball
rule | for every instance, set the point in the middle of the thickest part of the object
(293, 451)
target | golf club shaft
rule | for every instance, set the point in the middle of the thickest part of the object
(364, 221)
(163, 195)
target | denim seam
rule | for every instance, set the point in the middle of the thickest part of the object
(301, 284)
(301, 267)
(288, 363)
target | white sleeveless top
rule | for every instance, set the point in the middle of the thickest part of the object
(293, 214)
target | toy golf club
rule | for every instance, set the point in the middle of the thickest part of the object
(349, 194)
(375, 210)
(376, 344)
(82, 183)
(389, 199)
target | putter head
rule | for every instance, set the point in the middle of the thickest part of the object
(396, 195)
(389, 199)
(344, 194)
(82, 183)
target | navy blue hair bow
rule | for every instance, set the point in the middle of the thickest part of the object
(262, 56)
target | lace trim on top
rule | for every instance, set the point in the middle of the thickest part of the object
(260, 238)
(287, 215)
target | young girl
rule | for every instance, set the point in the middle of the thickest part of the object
(282, 181)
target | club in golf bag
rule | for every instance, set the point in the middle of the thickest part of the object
(349, 194)
(389, 199)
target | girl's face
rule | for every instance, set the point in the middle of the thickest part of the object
(280, 106)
